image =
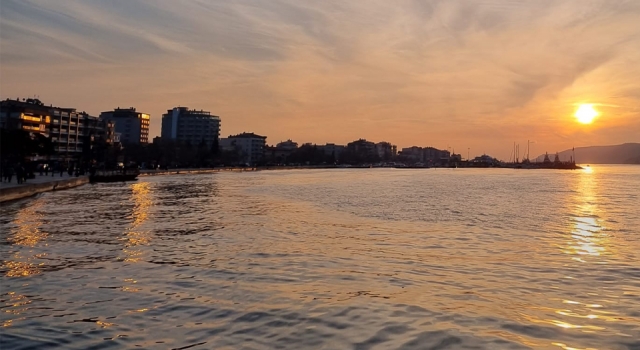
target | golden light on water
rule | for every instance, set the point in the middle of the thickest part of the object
(135, 237)
(26, 236)
(586, 113)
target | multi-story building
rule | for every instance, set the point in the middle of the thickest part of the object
(71, 132)
(413, 153)
(435, 155)
(333, 150)
(385, 150)
(362, 147)
(133, 126)
(283, 150)
(249, 145)
(287, 146)
(185, 125)
(427, 155)
(29, 115)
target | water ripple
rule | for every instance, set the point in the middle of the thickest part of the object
(339, 259)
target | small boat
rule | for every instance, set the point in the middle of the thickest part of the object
(114, 175)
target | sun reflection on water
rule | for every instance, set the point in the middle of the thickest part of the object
(27, 234)
(588, 237)
(135, 237)
(587, 242)
(24, 237)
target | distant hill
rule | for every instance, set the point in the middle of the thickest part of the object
(627, 153)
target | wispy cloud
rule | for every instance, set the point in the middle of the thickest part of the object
(478, 74)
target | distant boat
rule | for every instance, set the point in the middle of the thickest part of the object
(114, 175)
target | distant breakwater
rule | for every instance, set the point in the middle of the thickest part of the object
(191, 171)
(235, 169)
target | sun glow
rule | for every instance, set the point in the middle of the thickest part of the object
(586, 113)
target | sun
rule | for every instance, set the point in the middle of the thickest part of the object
(586, 113)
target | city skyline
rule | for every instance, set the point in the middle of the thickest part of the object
(444, 74)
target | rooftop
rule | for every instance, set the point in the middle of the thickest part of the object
(35, 103)
(192, 111)
(247, 135)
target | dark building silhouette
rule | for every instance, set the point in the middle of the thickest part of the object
(185, 125)
(71, 132)
(131, 125)
(250, 146)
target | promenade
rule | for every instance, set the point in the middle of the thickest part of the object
(41, 183)
(40, 179)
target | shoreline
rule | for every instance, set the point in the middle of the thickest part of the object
(31, 189)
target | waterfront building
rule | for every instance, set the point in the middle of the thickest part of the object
(426, 155)
(251, 147)
(71, 132)
(434, 156)
(29, 115)
(133, 126)
(362, 147)
(385, 150)
(283, 150)
(413, 153)
(74, 133)
(360, 151)
(287, 146)
(333, 150)
(190, 125)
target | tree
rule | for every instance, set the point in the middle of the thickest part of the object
(17, 145)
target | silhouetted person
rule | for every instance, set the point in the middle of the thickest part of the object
(8, 173)
(61, 170)
(19, 173)
(46, 170)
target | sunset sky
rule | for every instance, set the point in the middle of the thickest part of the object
(458, 74)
